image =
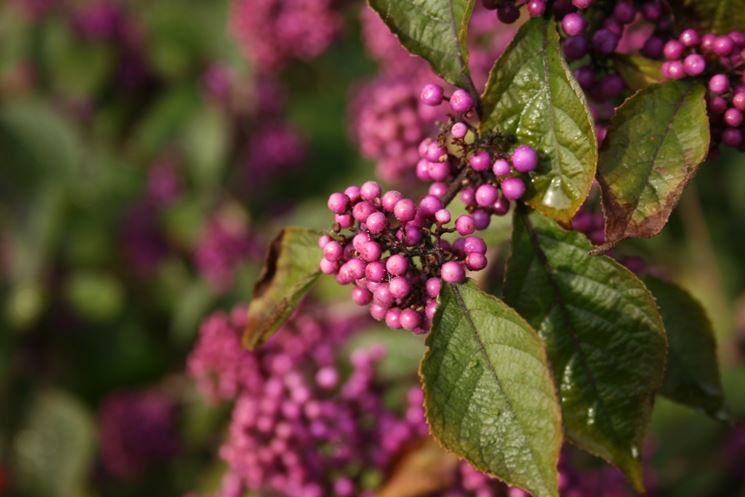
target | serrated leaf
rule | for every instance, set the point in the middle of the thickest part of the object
(692, 375)
(532, 95)
(604, 335)
(488, 392)
(290, 269)
(718, 16)
(638, 72)
(655, 143)
(436, 30)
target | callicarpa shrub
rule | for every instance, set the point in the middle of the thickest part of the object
(571, 345)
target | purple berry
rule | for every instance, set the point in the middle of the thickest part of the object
(459, 130)
(338, 203)
(432, 94)
(474, 244)
(576, 47)
(481, 219)
(689, 38)
(723, 45)
(433, 286)
(653, 48)
(361, 296)
(376, 222)
(501, 206)
(397, 264)
(486, 195)
(405, 210)
(536, 8)
(733, 117)
(375, 272)
(392, 318)
(333, 251)
(480, 161)
(524, 158)
(453, 272)
(501, 167)
(582, 4)
(694, 65)
(370, 190)
(468, 196)
(573, 24)
(738, 101)
(399, 287)
(513, 188)
(673, 50)
(508, 12)
(442, 216)
(461, 101)
(605, 41)
(476, 261)
(624, 12)
(410, 319)
(585, 76)
(719, 83)
(732, 137)
(464, 225)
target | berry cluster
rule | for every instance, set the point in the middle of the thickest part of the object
(300, 426)
(273, 32)
(397, 252)
(137, 429)
(720, 60)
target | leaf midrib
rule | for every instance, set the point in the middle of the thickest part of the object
(461, 303)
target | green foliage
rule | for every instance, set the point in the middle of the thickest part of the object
(435, 30)
(54, 451)
(488, 390)
(656, 142)
(692, 375)
(604, 335)
(290, 269)
(638, 72)
(718, 16)
(532, 95)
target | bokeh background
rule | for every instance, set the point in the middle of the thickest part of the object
(150, 150)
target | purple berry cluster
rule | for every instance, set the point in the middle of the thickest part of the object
(389, 122)
(137, 430)
(274, 32)
(720, 61)
(308, 421)
(394, 253)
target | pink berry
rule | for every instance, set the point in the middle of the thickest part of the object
(442, 216)
(694, 64)
(353, 192)
(723, 45)
(453, 272)
(573, 24)
(397, 264)
(399, 287)
(733, 117)
(738, 101)
(476, 261)
(390, 199)
(370, 252)
(474, 244)
(468, 196)
(370, 190)
(673, 50)
(383, 295)
(479, 161)
(438, 171)
(410, 319)
(362, 210)
(378, 311)
(513, 188)
(464, 225)
(356, 268)
(344, 220)
(376, 222)
(689, 38)
(501, 167)
(361, 296)
(536, 8)
(392, 318)
(436, 153)
(323, 240)
(328, 267)
(459, 130)
(461, 101)
(486, 195)
(405, 210)
(431, 94)
(375, 272)
(719, 83)
(333, 251)
(438, 189)
(338, 203)
(433, 286)
(524, 158)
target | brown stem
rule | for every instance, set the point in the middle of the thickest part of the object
(455, 186)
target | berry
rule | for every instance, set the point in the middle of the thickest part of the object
(501, 167)
(480, 161)
(338, 203)
(432, 94)
(573, 24)
(513, 188)
(461, 101)
(524, 158)
(453, 272)
(486, 195)
(459, 130)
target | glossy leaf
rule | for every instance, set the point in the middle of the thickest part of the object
(290, 269)
(532, 95)
(488, 392)
(436, 30)
(638, 72)
(604, 335)
(655, 143)
(692, 375)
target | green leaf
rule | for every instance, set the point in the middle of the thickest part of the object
(718, 16)
(604, 334)
(638, 72)
(655, 143)
(532, 95)
(436, 30)
(290, 269)
(692, 376)
(54, 450)
(488, 391)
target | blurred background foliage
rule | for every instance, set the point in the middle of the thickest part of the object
(133, 203)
